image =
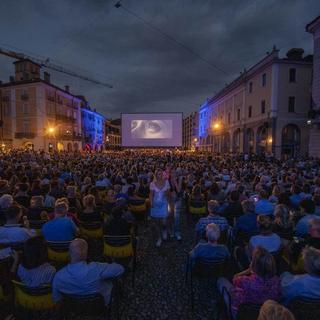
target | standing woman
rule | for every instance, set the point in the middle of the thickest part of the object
(159, 195)
(175, 204)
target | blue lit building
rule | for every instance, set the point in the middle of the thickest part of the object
(93, 126)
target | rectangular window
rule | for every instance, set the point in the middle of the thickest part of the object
(291, 103)
(263, 106)
(238, 114)
(229, 118)
(250, 112)
(6, 110)
(292, 75)
(264, 79)
(250, 87)
(25, 126)
(25, 108)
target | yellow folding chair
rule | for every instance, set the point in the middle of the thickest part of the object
(32, 299)
(58, 251)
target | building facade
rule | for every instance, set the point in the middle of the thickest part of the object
(264, 110)
(314, 143)
(92, 128)
(36, 114)
(190, 131)
(113, 134)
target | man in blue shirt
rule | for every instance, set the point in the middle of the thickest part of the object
(264, 206)
(61, 228)
(305, 285)
(213, 217)
(307, 208)
(82, 278)
(247, 223)
(211, 249)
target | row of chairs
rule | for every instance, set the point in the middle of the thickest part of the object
(31, 303)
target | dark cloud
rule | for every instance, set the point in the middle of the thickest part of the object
(150, 73)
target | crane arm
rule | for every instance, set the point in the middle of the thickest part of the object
(47, 64)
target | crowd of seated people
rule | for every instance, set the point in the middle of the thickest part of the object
(254, 212)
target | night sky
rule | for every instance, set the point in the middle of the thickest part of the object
(149, 72)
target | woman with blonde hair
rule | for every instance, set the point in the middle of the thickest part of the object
(255, 285)
(159, 202)
(272, 310)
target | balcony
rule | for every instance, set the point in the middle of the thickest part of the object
(65, 119)
(25, 135)
(50, 98)
(73, 137)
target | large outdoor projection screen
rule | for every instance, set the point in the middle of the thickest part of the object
(151, 129)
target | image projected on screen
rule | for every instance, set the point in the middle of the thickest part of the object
(151, 129)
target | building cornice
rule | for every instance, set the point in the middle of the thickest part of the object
(313, 25)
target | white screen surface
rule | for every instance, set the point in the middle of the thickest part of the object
(151, 129)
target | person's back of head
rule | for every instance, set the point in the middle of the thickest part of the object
(263, 194)
(314, 228)
(6, 201)
(71, 192)
(196, 191)
(36, 202)
(213, 207)
(311, 258)
(272, 310)
(117, 211)
(264, 222)
(212, 232)
(214, 188)
(248, 206)
(307, 206)
(89, 201)
(234, 196)
(263, 263)
(14, 214)
(34, 252)
(78, 250)
(61, 207)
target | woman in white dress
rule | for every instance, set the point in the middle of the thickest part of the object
(159, 194)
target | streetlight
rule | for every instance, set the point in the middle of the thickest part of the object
(216, 126)
(51, 130)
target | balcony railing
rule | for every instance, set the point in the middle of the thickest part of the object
(64, 118)
(26, 135)
(77, 137)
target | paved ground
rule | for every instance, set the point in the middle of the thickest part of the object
(160, 291)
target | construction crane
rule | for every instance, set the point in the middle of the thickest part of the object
(47, 64)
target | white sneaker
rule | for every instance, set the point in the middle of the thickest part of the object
(164, 235)
(158, 243)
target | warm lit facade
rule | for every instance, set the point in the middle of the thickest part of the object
(92, 127)
(190, 131)
(264, 110)
(314, 143)
(37, 114)
(113, 134)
